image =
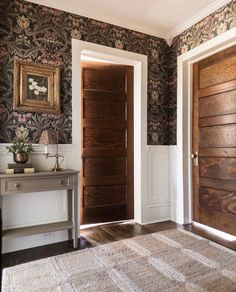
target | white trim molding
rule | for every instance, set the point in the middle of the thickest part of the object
(132, 24)
(139, 62)
(181, 164)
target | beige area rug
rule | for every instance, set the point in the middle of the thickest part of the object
(173, 260)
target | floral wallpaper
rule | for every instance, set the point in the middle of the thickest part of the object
(33, 32)
(211, 26)
(36, 33)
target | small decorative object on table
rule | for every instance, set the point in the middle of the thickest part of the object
(19, 168)
(20, 150)
(46, 140)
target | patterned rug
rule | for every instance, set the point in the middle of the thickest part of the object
(173, 260)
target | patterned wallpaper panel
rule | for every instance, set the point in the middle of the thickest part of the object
(33, 32)
(206, 29)
(211, 26)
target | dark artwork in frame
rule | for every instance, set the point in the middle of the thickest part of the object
(37, 87)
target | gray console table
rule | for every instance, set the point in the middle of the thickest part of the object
(41, 182)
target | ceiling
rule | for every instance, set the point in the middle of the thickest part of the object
(162, 18)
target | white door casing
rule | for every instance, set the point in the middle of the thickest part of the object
(139, 62)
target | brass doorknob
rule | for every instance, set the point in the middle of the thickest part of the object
(194, 156)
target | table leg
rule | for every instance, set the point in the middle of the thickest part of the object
(75, 210)
(69, 210)
(1, 247)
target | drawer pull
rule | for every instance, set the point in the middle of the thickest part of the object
(61, 182)
(16, 185)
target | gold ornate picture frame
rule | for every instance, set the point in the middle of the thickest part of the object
(36, 87)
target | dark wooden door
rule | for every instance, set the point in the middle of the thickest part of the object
(107, 143)
(214, 141)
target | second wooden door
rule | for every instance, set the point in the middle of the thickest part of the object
(107, 143)
(214, 141)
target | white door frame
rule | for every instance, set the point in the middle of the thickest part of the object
(139, 62)
(182, 205)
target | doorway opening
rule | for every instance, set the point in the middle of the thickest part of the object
(107, 172)
(139, 64)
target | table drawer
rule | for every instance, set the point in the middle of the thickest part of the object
(18, 185)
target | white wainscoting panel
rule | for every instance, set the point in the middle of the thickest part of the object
(158, 197)
(174, 183)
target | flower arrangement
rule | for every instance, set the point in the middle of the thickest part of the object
(20, 146)
(38, 90)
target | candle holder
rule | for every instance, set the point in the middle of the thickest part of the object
(47, 139)
(57, 166)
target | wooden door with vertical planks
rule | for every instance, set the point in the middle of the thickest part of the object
(107, 192)
(214, 141)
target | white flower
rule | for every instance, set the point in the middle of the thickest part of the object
(31, 80)
(34, 83)
(44, 89)
(39, 88)
(31, 87)
(36, 92)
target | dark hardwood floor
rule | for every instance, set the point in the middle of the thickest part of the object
(90, 237)
(102, 234)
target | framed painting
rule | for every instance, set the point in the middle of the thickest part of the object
(36, 87)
